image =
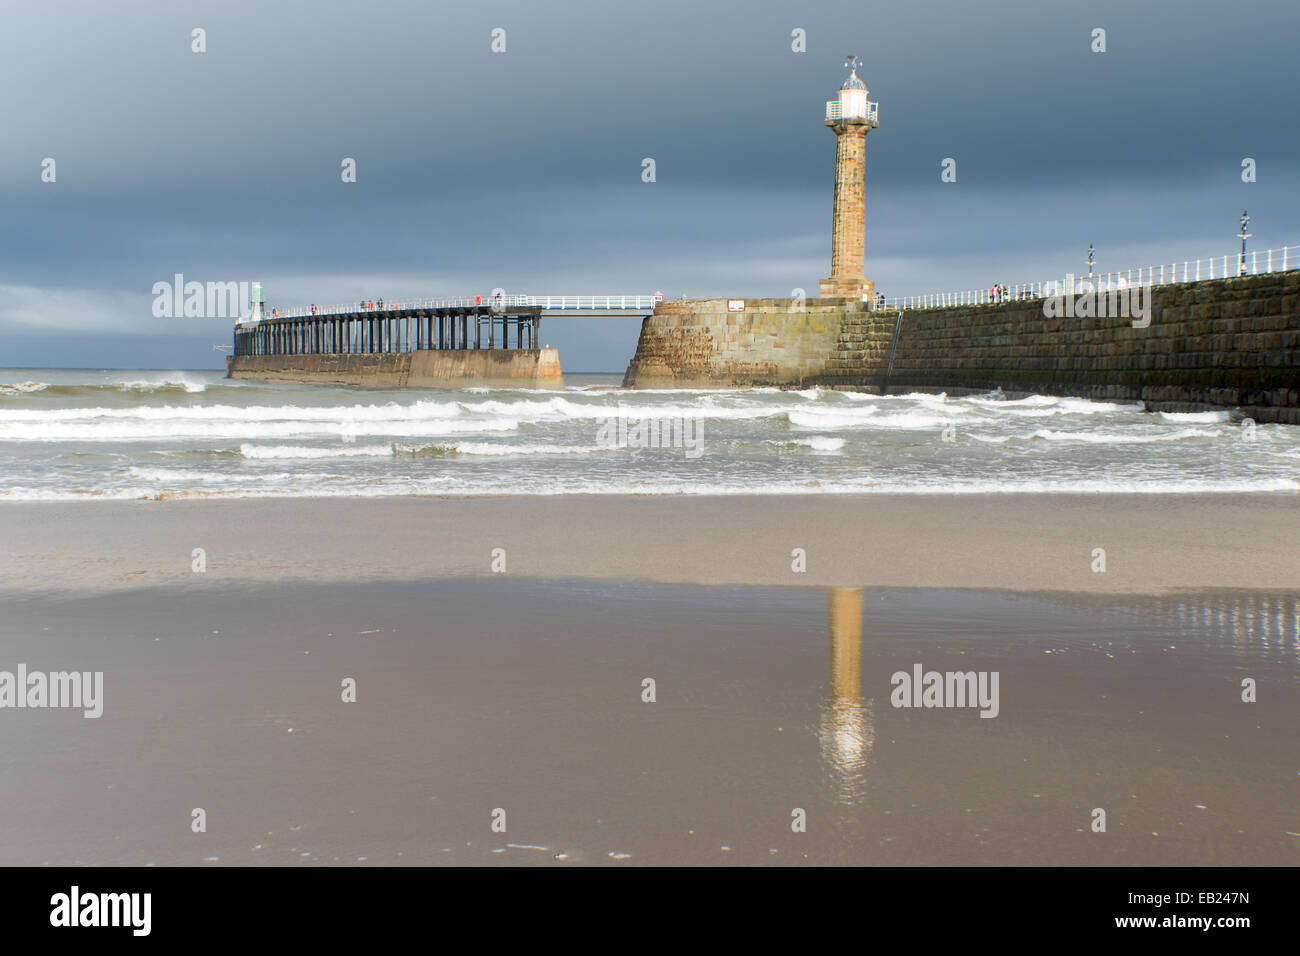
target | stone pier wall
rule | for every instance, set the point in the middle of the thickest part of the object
(426, 368)
(699, 343)
(1222, 343)
(1215, 344)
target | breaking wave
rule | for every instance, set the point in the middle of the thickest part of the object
(65, 436)
(408, 450)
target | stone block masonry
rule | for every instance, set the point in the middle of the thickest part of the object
(848, 229)
(1215, 344)
(700, 343)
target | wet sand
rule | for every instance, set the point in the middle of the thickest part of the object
(526, 695)
(522, 690)
(1153, 544)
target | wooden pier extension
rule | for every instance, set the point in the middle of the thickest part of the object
(427, 346)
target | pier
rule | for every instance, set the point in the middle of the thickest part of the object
(423, 343)
(423, 324)
(392, 330)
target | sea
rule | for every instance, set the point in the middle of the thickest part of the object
(77, 434)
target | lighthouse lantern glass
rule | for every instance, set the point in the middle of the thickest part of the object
(853, 104)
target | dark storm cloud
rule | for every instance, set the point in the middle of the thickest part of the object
(523, 169)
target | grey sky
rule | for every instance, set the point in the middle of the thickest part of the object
(522, 169)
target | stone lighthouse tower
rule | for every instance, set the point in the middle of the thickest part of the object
(851, 116)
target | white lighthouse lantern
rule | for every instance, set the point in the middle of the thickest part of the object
(852, 107)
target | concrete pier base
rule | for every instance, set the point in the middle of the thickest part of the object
(429, 368)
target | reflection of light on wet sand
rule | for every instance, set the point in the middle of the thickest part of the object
(1252, 622)
(846, 732)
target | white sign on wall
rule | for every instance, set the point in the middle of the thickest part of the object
(735, 305)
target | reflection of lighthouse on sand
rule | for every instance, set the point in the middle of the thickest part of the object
(847, 732)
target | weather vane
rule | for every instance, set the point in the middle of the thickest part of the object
(852, 63)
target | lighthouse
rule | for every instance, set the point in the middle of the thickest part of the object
(851, 116)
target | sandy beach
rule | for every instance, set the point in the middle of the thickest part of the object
(1152, 544)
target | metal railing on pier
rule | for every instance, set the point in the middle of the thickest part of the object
(559, 302)
(1256, 262)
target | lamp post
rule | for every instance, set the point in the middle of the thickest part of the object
(1245, 221)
